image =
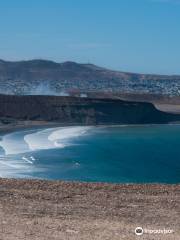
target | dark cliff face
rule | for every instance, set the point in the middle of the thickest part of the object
(81, 111)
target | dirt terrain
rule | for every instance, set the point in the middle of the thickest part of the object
(165, 103)
(44, 210)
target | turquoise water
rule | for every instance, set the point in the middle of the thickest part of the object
(126, 154)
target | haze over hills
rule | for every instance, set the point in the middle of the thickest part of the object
(50, 78)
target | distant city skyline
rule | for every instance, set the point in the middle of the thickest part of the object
(134, 36)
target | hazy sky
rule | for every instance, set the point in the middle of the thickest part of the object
(128, 35)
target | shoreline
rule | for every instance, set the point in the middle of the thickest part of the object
(27, 125)
(51, 209)
(42, 124)
(38, 127)
(43, 210)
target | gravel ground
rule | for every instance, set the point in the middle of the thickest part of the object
(55, 210)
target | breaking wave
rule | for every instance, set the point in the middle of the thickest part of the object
(16, 149)
(22, 142)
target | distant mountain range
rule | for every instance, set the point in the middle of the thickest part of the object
(50, 78)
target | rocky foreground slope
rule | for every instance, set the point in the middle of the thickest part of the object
(43, 210)
(80, 111)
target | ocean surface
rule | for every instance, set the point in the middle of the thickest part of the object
(118, 154)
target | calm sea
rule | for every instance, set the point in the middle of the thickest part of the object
(119, 154)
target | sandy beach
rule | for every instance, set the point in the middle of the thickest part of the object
(34, 209)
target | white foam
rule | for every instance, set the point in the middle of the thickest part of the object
(13, 167)
(39, 140)
(53, 137)
(13, 143)
(23, 142)
(32, 158)
(8, 164)
(18, 160)
(27, 160)
(67, 133)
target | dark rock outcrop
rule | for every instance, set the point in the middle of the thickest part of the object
(85, 111)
